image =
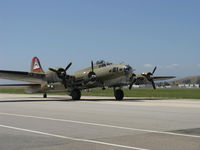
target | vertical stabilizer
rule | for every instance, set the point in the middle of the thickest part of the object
(35, 65)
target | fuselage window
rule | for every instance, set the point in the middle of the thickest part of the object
(115, 69)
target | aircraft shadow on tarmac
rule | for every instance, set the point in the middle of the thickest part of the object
(25, 101)
(58, 99)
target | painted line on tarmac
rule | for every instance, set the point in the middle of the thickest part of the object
(71, 138)
(101, 125)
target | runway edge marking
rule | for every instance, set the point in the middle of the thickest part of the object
(71, 138)
(101, 125)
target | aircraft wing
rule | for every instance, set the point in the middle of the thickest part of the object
(157, 78)
(18, 85)
(23, 76)
(146, 78)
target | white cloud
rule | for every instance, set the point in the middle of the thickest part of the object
(148, 65)
(173, 66)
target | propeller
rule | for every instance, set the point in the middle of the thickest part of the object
(92, 74)
(132, 81)
(62, 73)
(150, 77)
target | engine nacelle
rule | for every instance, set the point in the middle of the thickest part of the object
(146, 74)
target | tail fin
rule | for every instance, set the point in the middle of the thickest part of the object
(35, 65)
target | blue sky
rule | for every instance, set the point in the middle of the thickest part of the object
(142, 33)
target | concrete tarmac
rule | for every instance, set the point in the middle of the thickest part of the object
(29, 122)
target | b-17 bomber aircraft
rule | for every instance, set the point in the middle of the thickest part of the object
(100, 75)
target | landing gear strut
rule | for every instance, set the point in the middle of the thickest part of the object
(76, 94)
(119, 94)
(45, 95)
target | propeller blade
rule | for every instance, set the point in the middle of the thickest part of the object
(153, 84)
(92, 66)
(130, 86)
(64, 83)
(51, 69)
(68, 66)
(154, 70)
(132, 81)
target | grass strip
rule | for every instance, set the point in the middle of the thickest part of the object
(162, 93)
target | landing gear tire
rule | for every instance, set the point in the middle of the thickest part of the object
(45, 95)
(119, 94)
(76, 94)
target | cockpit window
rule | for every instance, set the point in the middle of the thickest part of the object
(109, 64)
(127, 68)
(100, 62)
(102, 65)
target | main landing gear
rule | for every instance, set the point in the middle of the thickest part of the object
(119, 94)
(75, 94)
(45, 95)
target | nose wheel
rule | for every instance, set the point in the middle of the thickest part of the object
(119, 94)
